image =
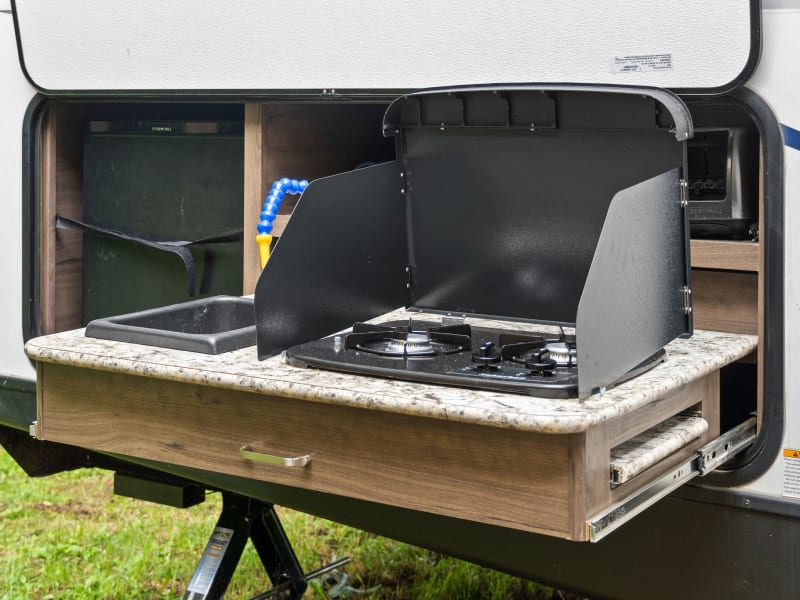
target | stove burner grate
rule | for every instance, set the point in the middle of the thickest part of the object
(409, 341)
(542, 364)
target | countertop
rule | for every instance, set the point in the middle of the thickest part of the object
(686, 360)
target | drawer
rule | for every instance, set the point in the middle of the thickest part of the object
(537, 482)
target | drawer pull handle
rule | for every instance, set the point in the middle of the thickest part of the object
(282, 461)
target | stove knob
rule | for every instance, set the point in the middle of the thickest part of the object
(486, 354)
(540, 363)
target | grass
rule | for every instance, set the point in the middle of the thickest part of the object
(68, 537)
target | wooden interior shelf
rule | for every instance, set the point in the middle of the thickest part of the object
(725, 254)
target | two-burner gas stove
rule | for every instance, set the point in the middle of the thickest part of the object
(536, 363)
(577, 221)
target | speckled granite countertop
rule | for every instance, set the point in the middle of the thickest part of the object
(687, 360)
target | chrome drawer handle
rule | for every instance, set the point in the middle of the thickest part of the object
(247, 453)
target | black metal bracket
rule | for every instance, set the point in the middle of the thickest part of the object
(242, 519)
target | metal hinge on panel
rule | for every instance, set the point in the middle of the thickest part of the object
(32, 428)
(684, 193)
(687, 299)
(409, 279)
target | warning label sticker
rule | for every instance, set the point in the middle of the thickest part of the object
(209, 563)
(791, 473)
(640, 63)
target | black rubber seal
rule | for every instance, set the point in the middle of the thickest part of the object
(755, 461)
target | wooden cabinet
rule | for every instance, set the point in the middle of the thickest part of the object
(539, 482)
(725, 285)
(728, 295)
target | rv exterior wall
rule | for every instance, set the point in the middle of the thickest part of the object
(775, 80)
(377, 45)
(15, 95)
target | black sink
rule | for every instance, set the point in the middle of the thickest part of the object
(210, 325)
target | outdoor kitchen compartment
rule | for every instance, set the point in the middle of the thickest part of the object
(537, 204)
(472, 213)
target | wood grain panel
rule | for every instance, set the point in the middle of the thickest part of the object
(309, 141)
(706, 394)
(589, 478)
(69, 202)
(691, 395)
(47, 223)
(305, 141)
(61, 192)
(725, 301)
(725, 254)
(485, 474)
(254, 190)
(702, 395)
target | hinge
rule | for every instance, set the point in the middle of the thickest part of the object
(32, 428)
(687, 299)
(684, 193)
(409, 277)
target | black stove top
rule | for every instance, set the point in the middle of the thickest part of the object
(539, 364)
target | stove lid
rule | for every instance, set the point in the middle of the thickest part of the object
(508, 189)
(284, 46)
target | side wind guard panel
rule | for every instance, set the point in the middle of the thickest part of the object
(632, 303)
(342, 258)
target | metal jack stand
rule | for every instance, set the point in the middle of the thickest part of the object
(244, 518)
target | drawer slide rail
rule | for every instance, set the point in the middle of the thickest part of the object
(705, 460)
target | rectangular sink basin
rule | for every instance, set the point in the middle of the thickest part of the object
(209, 325)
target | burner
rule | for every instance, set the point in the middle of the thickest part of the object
(537, 363)
(414, 344)
(409, 341)
(525, 349)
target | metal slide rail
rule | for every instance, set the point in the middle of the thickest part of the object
(705, 460)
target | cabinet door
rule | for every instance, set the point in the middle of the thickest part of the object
(82, 45)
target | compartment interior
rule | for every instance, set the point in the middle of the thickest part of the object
(312, 140)
(160, 180)
(169, 172)
(727, 255)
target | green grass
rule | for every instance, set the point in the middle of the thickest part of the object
(68, 537)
